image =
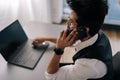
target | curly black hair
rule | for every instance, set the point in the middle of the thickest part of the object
(90, 13)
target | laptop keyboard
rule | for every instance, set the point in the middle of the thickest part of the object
(28, 57)
(23, 58)
(22, 55)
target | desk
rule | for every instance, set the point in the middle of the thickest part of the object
(32, 29)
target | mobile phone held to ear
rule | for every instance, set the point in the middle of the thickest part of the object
(69, 31)
(81, 32)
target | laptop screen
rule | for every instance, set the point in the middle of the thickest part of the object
(11, 38)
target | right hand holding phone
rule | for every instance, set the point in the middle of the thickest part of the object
(65, 41)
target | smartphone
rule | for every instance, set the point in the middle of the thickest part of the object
(81, 32)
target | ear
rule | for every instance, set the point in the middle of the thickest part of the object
(87, 30)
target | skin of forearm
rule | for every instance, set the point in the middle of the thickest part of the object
(52, 39)
(53, 65)
(61, 43)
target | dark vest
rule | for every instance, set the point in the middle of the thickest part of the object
(100, 50)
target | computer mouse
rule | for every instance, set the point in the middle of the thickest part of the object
(40, 45)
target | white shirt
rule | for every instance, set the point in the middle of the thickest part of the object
(83, 68)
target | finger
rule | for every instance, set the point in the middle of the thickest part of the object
(35, 41)
(61, 33)
(64, 34)
(72, 40)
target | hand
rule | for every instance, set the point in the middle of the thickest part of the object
(38, 40)
(65, 41)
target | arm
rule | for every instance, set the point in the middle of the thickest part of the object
(61, 43)
(42, 39)
(82, 69)
(54, 64)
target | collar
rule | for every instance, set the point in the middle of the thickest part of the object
(81, 45)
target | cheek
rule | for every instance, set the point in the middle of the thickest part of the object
(73, 25)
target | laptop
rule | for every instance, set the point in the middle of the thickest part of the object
(17, 49)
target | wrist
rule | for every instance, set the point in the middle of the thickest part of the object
(62, 48)
(58, 51)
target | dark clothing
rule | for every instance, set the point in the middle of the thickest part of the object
(100, 50)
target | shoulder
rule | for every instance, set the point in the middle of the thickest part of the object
(102, 40)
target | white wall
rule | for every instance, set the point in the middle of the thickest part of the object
(46, 11)
(56, 10)
(24, 10)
